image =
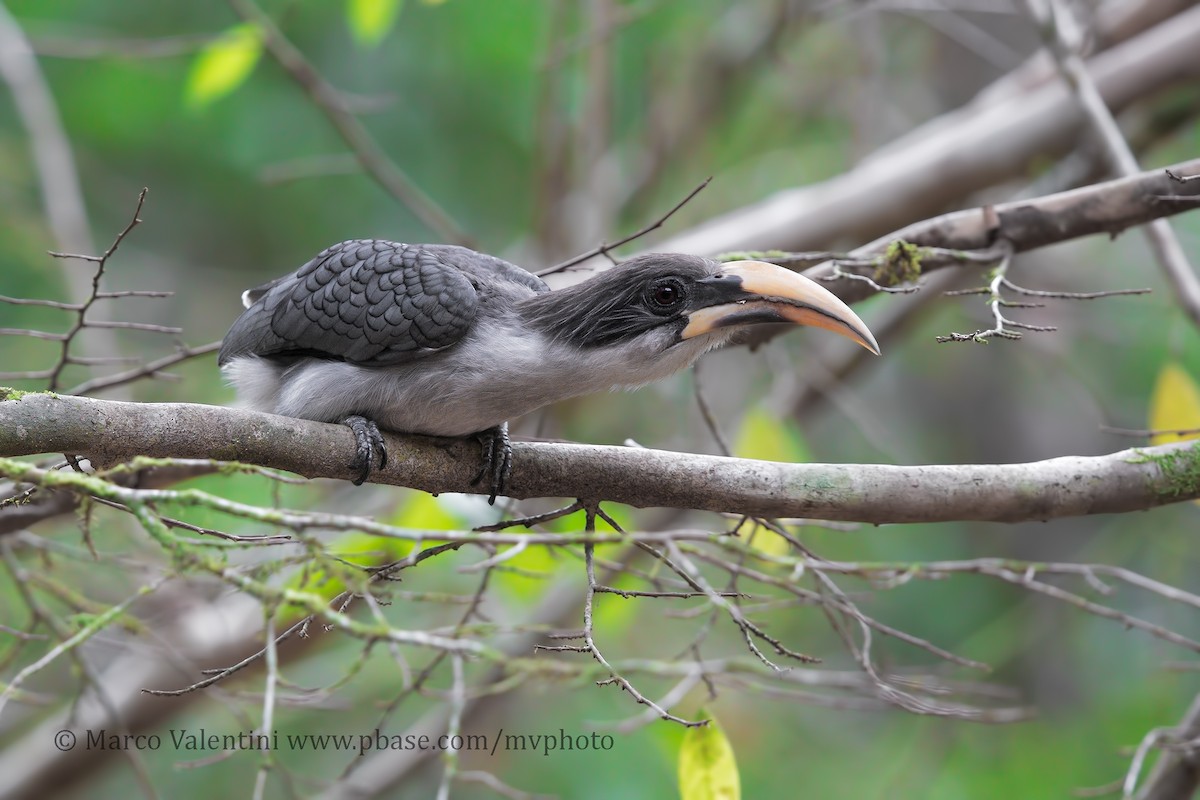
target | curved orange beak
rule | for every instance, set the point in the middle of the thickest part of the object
(759, 292)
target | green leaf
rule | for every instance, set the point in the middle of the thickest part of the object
(707, 769)
(370, 20)
(223, 65)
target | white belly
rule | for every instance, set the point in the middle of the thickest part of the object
(470, 387)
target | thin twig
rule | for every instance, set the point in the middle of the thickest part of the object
(1149, 432)
(1064, 39)
(366, 149)
(498, 786)
(81, 320)
(268, 713)
(614, 677)
(458, 702)
(604, 249)
(706, 412)
(151, 368)
(1182, 178)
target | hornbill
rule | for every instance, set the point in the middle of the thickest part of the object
(440, 340)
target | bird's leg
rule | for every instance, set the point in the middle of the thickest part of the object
(497, 459)
(369, 441)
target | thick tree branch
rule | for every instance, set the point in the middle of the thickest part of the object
(987, 141)
(110, 432)
(1110, 207)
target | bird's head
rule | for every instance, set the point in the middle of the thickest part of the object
(674, 307)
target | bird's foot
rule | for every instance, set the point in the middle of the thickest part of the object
(497, 460)
(369, 441)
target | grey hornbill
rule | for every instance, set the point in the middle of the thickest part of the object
(444, 341)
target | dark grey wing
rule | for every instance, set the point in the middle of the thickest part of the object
(488, 267)
(365, 301)
(252, 296)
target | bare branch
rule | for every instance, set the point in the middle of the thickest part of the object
(605, 249)
(1109, 207)
(498, 786)
(52, 337)
(1181, 178)
(133, 326)
(330, 101)
(588, 636)
(1064, 40)
(1071, 295)
(21, 301)
(81, 310)
(268, 714)
(1067, 486)
(151, 368)
(1177, 773)
(837, 273)
(998, 134)
(1004, 327)
(1148, 432)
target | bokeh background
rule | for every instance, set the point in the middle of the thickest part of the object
(544, 128)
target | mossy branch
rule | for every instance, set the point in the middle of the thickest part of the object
(110, 433)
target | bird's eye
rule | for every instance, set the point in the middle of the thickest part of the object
(666, 294)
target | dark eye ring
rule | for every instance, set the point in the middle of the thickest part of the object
(666, 294)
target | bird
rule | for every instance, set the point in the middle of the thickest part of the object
(441, 340)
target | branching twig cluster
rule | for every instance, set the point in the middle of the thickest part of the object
(1004, 327)
(1064, 38)
(82, 323)
(779, 582)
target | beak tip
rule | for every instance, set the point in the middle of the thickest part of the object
(793, 297)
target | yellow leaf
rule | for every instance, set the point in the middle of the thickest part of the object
(766, 438)
(425, 511)
(1174, 404)
(764, 540)
(707, 769)
(223, 65)
(370, 20)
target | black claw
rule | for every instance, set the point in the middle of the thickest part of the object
(497, 460)
(368, 441)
